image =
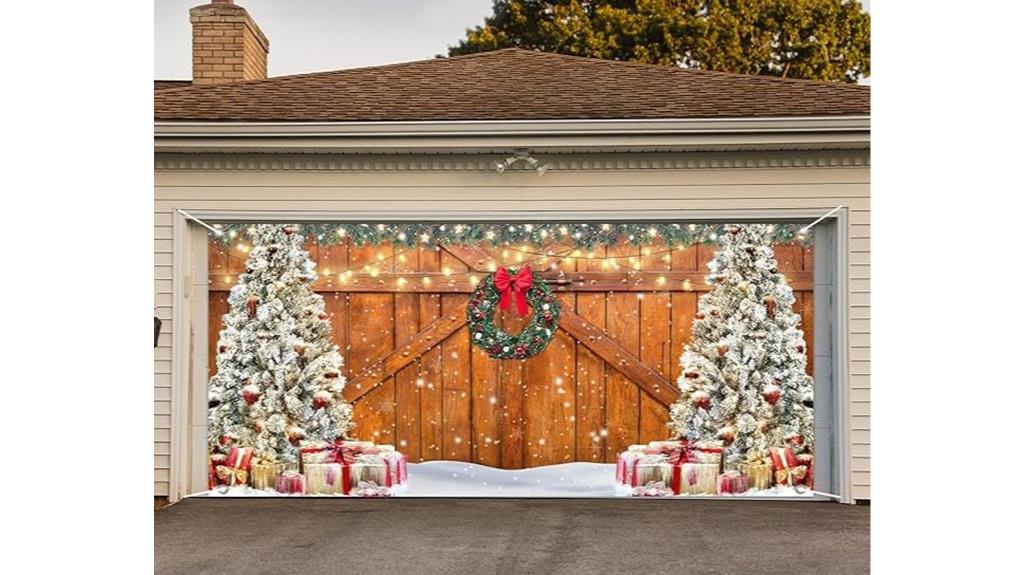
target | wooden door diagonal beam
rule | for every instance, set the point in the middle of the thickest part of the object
(655, 384)
(475, 258)
(391, 363)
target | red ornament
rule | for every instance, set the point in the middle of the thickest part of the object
(250, 305)
(769, 304)
(722, 350)
(772, 393)
(691, 375)
(222, 349)
(251, 394)
(227, 438)
(300, 349)
(699, 315)
(331, 374)
(727, 434)
(323, 315)
(701, 399)
(734, 230)
(800, 348)
(289, 230)
(295, 434)
(795, 439)
(322, 399)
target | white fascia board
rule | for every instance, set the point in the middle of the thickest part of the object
(766, 133)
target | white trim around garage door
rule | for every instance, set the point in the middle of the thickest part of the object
(188, 460)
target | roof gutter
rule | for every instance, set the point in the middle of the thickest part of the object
(698, 133)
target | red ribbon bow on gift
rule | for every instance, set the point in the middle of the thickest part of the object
(519, 284)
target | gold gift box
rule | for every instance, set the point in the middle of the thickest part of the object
(323, 478)
(759, 475)
(699, 479)
(264, 475)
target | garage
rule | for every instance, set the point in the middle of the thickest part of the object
(378, 196)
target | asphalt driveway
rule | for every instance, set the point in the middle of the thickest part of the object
(509, 536)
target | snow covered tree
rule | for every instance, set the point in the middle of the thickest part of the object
(744, 379)
(279, 376)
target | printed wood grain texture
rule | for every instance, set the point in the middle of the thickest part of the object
(418, 382)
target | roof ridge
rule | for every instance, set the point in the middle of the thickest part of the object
(649, 66)
(359, 69)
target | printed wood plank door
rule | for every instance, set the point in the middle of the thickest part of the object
(605, 381)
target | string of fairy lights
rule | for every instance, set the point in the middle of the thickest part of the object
(583, 235)
(563, 245)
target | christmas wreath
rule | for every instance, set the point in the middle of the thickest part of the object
(496, 291)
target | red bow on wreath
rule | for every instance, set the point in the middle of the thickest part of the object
(518, 284)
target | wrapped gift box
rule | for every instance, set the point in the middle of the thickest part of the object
(264, 475)
(695, 478)
(759, 475)
(650, 469)
(235, 469)
(397, 464)
(731, 483)
(787, 469)
(216, 460)
(371, 468)
(327, 478)
(291, 483)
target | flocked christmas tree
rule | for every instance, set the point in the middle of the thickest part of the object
(279, 377)
(744, 378)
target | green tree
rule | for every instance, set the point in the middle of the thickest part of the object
(813, 39)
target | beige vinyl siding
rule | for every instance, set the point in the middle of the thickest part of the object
(163, 297)
(385, 191)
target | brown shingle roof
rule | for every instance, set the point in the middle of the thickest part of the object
(167, 84)
(510, 84)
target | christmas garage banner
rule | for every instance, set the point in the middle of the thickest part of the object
(592, 359)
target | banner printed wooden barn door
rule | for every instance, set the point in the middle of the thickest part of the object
(605, 381)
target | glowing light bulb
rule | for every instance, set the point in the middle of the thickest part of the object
(653, 232)
(563, 230)
(529, 227)
(543, 234)
(380, 227)
(491, 266)
(401, 282)
(402, 236)
(425, 237)
(661, 280)
(342, 233)
(606, 227)
(374, 272)
(447, 271)
(474, 280)
(227, 279)
(427, 281)
(489, 234)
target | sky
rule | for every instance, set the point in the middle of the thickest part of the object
(318, 35)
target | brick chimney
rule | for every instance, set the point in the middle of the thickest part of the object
(227, 45)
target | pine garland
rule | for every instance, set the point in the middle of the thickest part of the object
(581, 235)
